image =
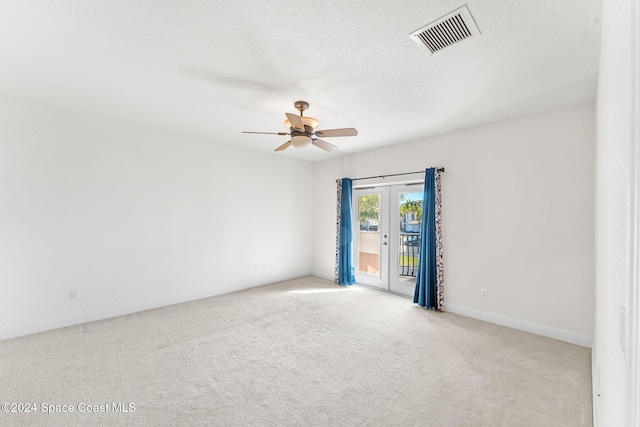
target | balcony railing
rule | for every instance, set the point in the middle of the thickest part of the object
(409, 254)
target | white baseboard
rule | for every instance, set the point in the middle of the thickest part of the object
(498, 319)
(109, 312)
(323, 275)
(523, 325)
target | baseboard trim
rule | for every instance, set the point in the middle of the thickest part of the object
(523, 325)
(121, 310)
(109, 312)
(498, 319)
(322, 275)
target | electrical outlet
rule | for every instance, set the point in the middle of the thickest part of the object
(484, 293)
(74, 294)
(256, 267)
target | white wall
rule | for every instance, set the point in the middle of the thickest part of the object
(518, 217)
(135, 218)
(615, 353)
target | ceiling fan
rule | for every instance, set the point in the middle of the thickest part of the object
(303, 131)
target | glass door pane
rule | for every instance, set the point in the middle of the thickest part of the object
(407, 220)
(370, 243)
(369, 234)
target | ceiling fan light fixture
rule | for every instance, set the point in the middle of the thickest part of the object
(300, 141)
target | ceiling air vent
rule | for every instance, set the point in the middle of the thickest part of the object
(451, 28)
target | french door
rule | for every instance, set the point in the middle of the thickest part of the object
(387, 223)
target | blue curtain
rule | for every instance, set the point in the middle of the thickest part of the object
(346, 272)
(426, 293)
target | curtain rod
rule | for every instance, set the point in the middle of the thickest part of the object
(395, 174)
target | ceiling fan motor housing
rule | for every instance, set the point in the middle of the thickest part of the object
(300, 139)
(308, 130)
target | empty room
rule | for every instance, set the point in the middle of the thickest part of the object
(296, 213)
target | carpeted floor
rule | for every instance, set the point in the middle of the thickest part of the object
(305, 352)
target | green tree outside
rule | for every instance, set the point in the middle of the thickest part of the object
(369, 207)
(410, 206)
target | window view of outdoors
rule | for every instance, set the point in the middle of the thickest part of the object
(369, 235)
(409, 234)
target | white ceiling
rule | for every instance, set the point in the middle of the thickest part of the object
(214, 68)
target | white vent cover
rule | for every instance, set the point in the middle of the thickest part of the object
(451, 28)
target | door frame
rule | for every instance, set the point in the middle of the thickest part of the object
(387, 278)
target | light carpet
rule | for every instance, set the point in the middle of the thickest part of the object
(304, 352)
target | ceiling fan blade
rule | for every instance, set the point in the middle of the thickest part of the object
(283, 146)
(323, 144)
(296, 122)
(269, 133)
(327, 133)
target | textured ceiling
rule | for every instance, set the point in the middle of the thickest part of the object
(212, 69)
